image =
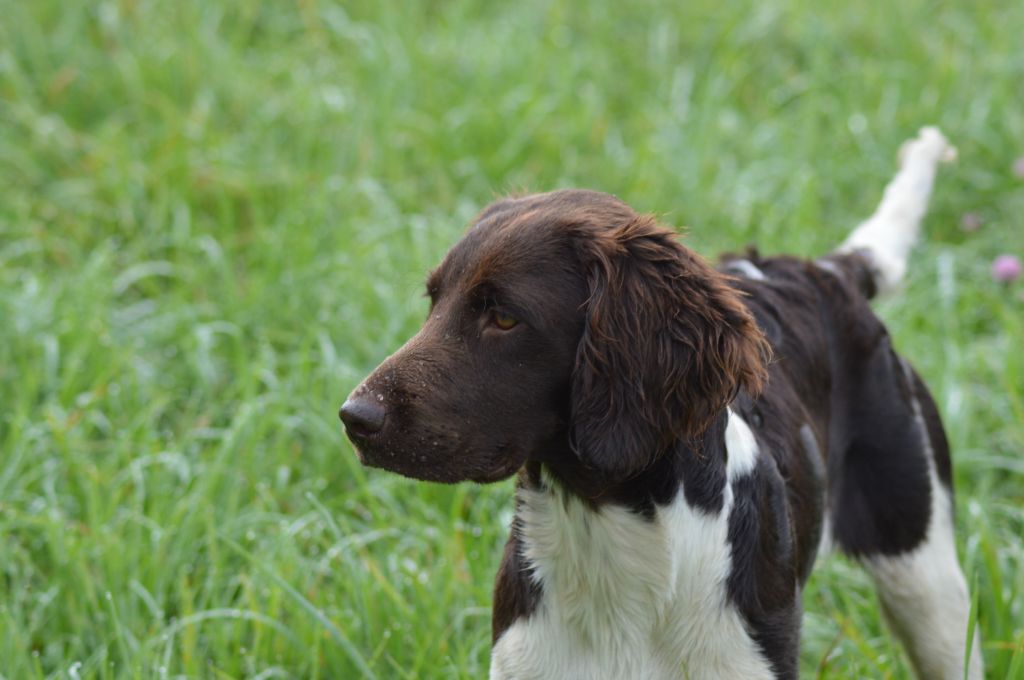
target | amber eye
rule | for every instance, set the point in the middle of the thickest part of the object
(504, 321)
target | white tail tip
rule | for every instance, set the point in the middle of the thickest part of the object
(888, 235)
(930, 143)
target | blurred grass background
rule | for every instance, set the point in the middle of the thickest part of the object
(215, 218)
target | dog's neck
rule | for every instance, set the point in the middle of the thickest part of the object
(697, 465)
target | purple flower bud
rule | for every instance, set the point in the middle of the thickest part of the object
(1018, 167)
(1006, 268)
(970, 222)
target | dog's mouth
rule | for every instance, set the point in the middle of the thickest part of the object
(502, 470)
(359, 452)
(374, 458)
(407, 464)
(371, 447)
(433, 464)
(363, 443)
(373, 452)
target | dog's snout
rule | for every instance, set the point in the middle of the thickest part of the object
(363, 415)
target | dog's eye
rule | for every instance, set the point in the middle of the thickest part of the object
(503, 321)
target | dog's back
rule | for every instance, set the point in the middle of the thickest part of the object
(842, 405)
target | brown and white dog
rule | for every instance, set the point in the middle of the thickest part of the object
(686, 438)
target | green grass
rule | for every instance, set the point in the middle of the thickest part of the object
(215, 218)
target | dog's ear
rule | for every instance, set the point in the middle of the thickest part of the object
(666, 346)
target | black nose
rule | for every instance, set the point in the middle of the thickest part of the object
(362, 416)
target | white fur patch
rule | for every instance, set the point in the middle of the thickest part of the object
(624, 597)
(745, 268)
(891, 231)
(741, 447)
(924, 592)
(829, 266)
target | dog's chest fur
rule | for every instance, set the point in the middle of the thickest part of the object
(627, 596)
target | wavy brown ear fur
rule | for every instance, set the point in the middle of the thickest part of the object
(667, 345)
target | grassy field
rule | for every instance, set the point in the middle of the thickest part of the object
(215, 218)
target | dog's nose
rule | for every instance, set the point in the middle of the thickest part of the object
(362, 416)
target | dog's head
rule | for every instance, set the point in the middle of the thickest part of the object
(563, 328)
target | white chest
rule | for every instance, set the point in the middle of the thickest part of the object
(627, 597)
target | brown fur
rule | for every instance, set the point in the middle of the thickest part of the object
(666, 345)
(660, 343)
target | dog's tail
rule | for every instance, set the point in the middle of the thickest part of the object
(884, 240)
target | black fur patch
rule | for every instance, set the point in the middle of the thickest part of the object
(516, 592)
(764, 581)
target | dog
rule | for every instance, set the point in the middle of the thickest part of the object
(686, 438)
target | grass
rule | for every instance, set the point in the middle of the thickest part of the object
(215, 218)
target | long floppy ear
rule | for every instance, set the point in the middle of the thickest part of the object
(666, 346)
